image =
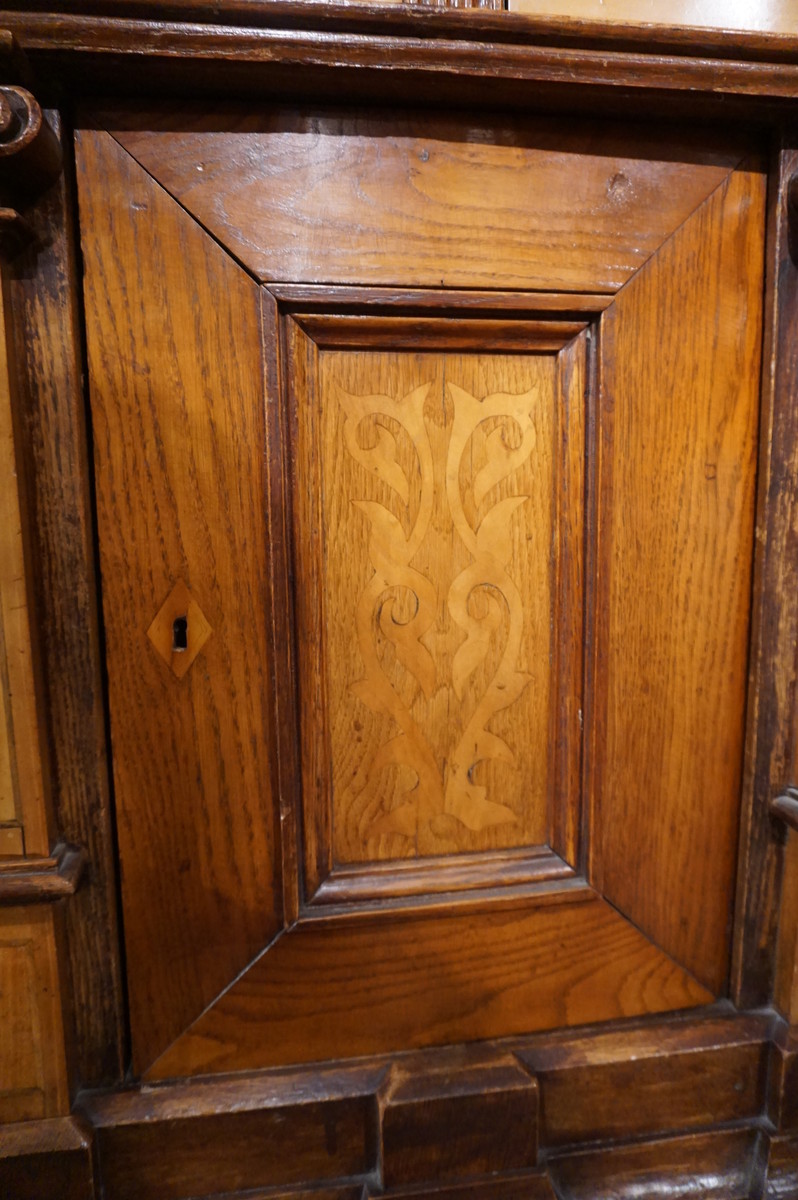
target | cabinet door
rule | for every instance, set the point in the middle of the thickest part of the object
(425, 465)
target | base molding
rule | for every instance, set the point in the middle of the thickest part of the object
(578, 1115)
(46, 1158)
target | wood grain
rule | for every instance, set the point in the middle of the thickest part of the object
(427, 201)
(514, 870)
(772, 734)
(782, 1099)
(714, 1166)
(644, 1080)
(438, 484)
(531, 1185)
(33, 1081)
(454, 1115)
(33, 880)
(44, 287)
(786, 978)
(782, 1169)
(680, 355)
(177, 405)
(372, 983)
(387, 54)
(23, 764)
(46, 1158)
(167, 1144)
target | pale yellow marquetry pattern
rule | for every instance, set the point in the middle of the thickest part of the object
(438, 526)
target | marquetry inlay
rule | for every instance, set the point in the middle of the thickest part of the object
(447, 484)
(179, 630)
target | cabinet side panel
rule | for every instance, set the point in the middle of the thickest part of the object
(679, 408)
(32, 1065)
(173, 328)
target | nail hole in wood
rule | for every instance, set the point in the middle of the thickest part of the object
(180, 634)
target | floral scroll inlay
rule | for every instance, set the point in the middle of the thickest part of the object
(480, 602)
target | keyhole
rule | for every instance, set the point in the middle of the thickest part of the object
(180, 634)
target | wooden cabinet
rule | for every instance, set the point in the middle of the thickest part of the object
(443, 477)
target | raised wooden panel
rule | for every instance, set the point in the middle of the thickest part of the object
(680, 352)
(448, 530)
(438, 550)
(22, 780)
(32, 1066)
(177, 408)
(376, 982)
(452, 201)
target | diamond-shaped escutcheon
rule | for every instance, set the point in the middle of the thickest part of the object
(179, 630)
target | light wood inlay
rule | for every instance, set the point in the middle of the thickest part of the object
(438, 480)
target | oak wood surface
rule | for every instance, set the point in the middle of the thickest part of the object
(144, 1131)
(680, 358)
(755, 26)
(714, 1166)
(44, 289)
(454, 1115)
(782, 1169)
(378, 54)
(439, 201)
(782, 1106)
(33, 1081)
(786, 976)
(770, 759)
(476, 649)
(178, 452)
(632, 1082)
(189, 1140)
(24, 779)
(46, 1158)
(531, 1185)
(378, 982)
(31, 879)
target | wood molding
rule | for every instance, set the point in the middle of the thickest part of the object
(46, 1158)
(32, 880)
(771, 723)
(43, 285)
(383, 49)
(624, 1092)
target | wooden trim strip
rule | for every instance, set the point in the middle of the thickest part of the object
(309, 297)
(41, 880)
(503, 869)
(349, 331)
(86, 48)
(434, 21)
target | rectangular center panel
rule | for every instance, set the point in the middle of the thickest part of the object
(438, 513)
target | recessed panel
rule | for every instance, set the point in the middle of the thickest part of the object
(438, 576)
(430, 488)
